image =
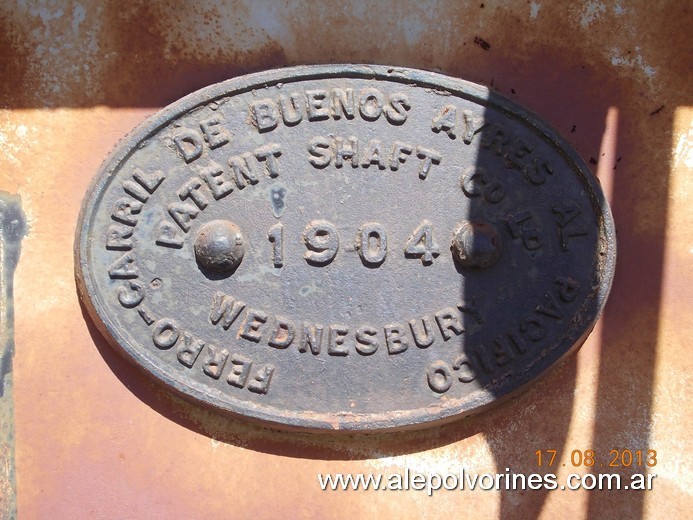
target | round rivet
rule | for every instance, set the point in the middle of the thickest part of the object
(219, 246)
(476, 245)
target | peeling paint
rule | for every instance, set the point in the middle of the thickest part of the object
(592, 11)
(619, 59)
(78, 16)
(534, 9)
(14, 138)
(619, 10)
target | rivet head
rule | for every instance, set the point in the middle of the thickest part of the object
(219, 246)
(476, 245)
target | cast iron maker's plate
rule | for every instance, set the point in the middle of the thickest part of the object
(345, 247)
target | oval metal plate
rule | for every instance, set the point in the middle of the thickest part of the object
(345, 247)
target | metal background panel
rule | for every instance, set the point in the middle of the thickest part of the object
(95, 439)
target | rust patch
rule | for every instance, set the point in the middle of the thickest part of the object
(149, 67)
(13, 64)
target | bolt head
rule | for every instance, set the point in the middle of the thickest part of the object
(476, 245)
(219, 246)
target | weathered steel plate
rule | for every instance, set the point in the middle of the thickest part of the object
(345, 247)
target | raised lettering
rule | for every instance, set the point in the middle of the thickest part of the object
(536, 171)
(568, 288)
(311, 338)
(425, 338)
(217, 180)
(189, 144)
(448, 321)
(366, 342)
(214, 361)
(343, 103)
(265, 114)
(137, 191)
(476, 182)
(445, 121)
(473, 124)
(533, 329)
(466, 369)
(348, 150)
(372, 244)
(550, 307)
(124, 267)
(439, 377)
(521, 225)
(118, 237)
(517, 150)
(149, 181)
(322, 242)
(567, 213)
(396, 338)
(145, 314)
(269, 154)
(493, 138)
(317, 110)
(226, 307)
(188, 350)
(374, 154)
(421, 244)
(191, 190)
(428, 158)
(240, 369)
(319, 149)
(169, 235)
(249, 329)
(335, 342)
(132, 297)
(182, 213)
(501, 353)
(243, 170)
(215, 134)
(165, 333)
(400, 152)
(124, 211)
(291, 109)
(397, 108)
(282, 335)
(511, 341)
(261, 380)
(276, 237)
(371, 104)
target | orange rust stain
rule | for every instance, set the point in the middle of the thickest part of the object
(144, 69)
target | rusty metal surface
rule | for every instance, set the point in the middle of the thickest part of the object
(612, 77)
(345, 248)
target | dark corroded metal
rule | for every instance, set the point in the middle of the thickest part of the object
(345, 248)
(12, 231)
